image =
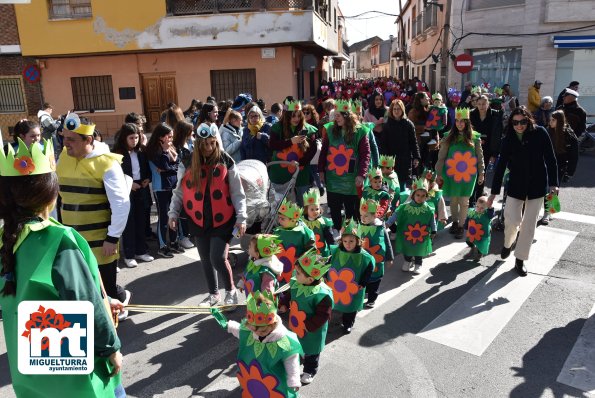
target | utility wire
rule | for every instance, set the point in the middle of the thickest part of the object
(371, 12)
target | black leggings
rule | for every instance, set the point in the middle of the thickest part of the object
(213, 256)
(372, 289)
(338, 201)
(108, 274)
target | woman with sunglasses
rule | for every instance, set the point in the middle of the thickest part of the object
(528, 154)
(211, 194)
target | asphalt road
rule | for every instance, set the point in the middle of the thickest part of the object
(459, 329)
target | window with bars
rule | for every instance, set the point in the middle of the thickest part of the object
(227, 84)
(12, 99)
(92, 92)
(71, 9)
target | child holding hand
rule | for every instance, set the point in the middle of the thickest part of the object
(321, 226)
(479, 228)
(264, 267)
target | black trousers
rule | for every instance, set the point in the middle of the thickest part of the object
(403, 170)
(108, 274)
(162, 200)
(311, 364)
(337, 202)
(213, 256)
(134, 238)
(348, 319)
(416, 259)
(372, 289)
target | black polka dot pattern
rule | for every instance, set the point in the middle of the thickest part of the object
(198, 196)
(216, 172)
(217, 195)
(203, 173)
(188, 184)
(218, 217)
(189, 205)
(198, 215)
(229, 202)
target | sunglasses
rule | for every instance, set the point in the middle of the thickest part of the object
(307, 112)
(206, 132)
(522, 122)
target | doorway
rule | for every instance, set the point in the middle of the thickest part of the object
(158, 91)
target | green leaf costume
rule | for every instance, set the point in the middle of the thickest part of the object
(479, 230)
(434, 202)
(317, 227)
(304, 300)
(282, 174)
(253, 276)
(344, 276)
(394, 188)
(414, 222)
(295, 242)
(373, 241)
(342, 161)
(460, 168)
(54, 262)
(261, 371)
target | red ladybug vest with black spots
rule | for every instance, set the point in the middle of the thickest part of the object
(221, 204)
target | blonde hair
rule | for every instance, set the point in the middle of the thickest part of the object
(231, 115)
(198, 160)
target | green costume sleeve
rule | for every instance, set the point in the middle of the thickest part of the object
(73, 281)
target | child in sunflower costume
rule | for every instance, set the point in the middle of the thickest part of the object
(376, 190)
(321, 226)
(264, 267)
(351, 268)
(311, 304)
(43, 260)
(416, 227)
(479, 228)
(391, 180)
(268, 355)
(376, 241)
(296, 238)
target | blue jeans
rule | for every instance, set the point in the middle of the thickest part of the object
(315, 175)
(119, 391)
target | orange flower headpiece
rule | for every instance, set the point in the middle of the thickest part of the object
(313, 264)
(27, 161)
(268, 245)
(261, 308)
(290, 210)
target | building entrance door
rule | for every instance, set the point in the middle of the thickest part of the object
(158, 91)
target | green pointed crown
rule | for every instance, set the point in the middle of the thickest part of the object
(420, 183)
(268, 245)
(343, 106)
(290, 210)
(292, 105)
(387, 161)
(313, 264)
(462, 113)
(374, 172)
(430, 175)
(27, 161)
(356, 107)
(350, 227)
(368, 206)
(552, 203)
(261, 308)
(498, 91)
(436, 96)
(312, 197)
(476, 90)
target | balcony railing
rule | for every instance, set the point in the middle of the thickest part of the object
(430, 17)
(194, 7)
(419, 25)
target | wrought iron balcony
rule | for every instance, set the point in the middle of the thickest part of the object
(195, 7)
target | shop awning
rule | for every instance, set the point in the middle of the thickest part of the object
(574, 41)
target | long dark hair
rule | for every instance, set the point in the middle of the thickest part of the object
(21, 201)
(558, 134)
(377, 112)
(23, 127)
(154, 145)
(286, 123)
(182, 133)
(203, 116)
(467, 134)
(521, 110)
(121, 144)
(348, 129)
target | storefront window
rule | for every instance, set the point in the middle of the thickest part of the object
(497, 67)
(577, 64)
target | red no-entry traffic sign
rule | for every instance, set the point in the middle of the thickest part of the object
(464, 63)
(31, 73)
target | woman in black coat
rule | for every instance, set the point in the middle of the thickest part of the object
(398, 139)
(528, 154)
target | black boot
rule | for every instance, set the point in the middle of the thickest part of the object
(520, 268)
(505, 252)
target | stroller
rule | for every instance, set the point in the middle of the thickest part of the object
(262, 201)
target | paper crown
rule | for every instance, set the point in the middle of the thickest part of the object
(420, 183)
(498, 91)
(436, 96)
(356, 106)
(374, 172)
(292, 105)
(261, 308)
(476, 90)
(27, 161)
(343, 106)
(312, 197)
(313, 264)
(73, 123)
(462, 113)
(268, 245)
(387, 161)
(350, 227)
(368, 206)
(290, 210)
(552, 203)
(430, 175)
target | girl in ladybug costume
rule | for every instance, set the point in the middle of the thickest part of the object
(210, 192)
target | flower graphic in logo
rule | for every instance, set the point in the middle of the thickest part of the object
(287, 257)
(24, 165)
(474, 231)
(297, 319)
(373, 250)
(291, 154)
(43, 319)
(338, 159)
(343, 285)
(416, 233)
(462, 166)
(256, 384)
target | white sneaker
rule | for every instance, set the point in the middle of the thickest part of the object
(307, 378)
(186, 243)
(432, 142)
(130, 263)
(210, 301)
(405, 267)
(123, 315)
(144, 257)
(425, 134)
(117, 270)
(231, 297)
